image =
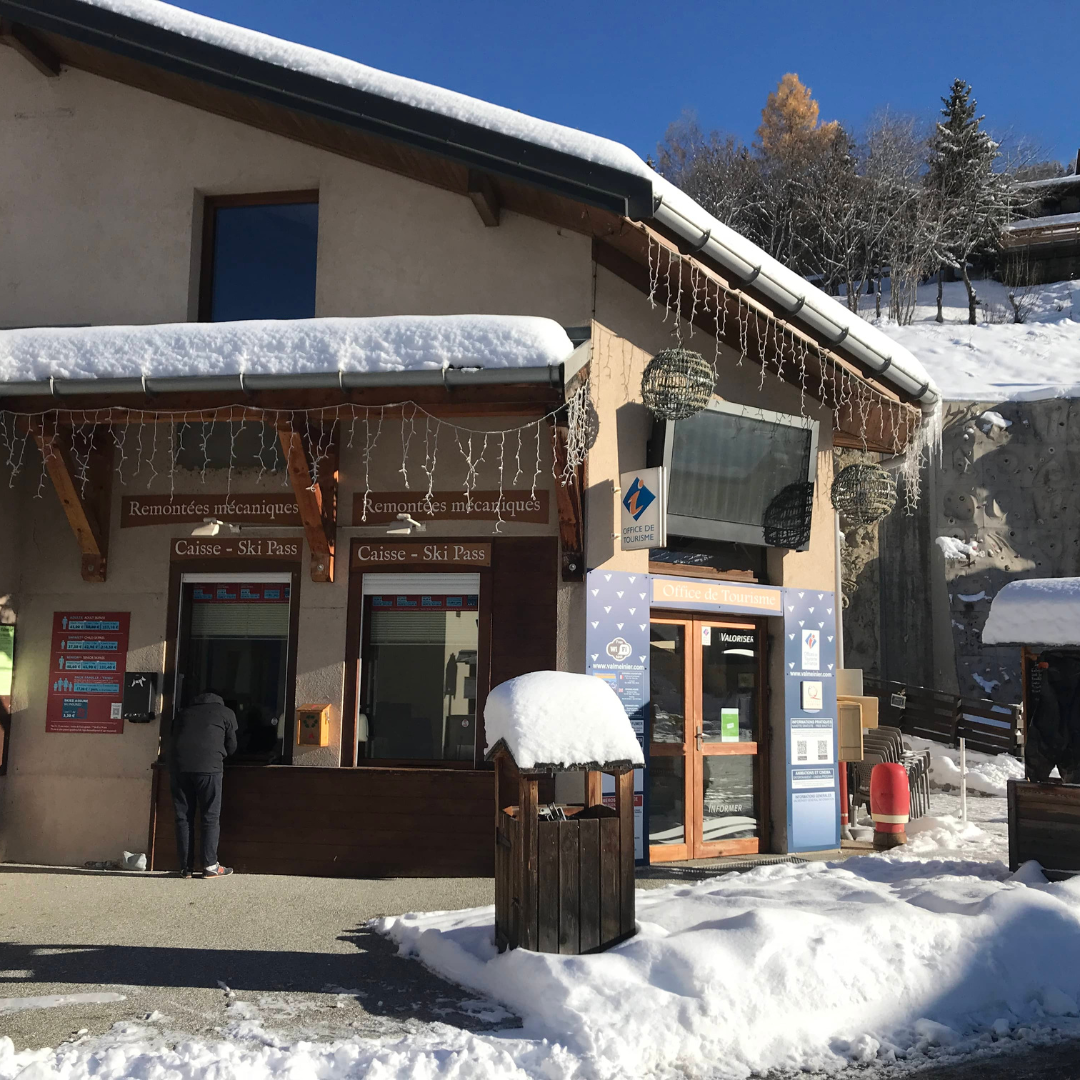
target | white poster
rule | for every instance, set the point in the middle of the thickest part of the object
(811, 650)
(811, 696)
(644, 509)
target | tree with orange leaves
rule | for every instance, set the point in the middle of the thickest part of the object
(789, 121)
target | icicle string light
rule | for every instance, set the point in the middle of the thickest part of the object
(80, 432)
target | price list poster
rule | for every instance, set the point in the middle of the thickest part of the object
(86, 672)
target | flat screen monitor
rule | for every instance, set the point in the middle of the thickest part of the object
(725, 466)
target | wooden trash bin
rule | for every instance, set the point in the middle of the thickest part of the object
(562, 886)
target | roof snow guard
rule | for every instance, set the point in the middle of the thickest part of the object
(584, 167)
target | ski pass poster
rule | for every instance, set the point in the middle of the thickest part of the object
(86, 672)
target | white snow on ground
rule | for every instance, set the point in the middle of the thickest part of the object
(54, 1001)
(987, 774)
(801, 967)
(930, 953)
(286, 346)
(560, 718)
(1035, 611)
(996, 360)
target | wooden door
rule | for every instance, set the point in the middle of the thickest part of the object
(706, 775)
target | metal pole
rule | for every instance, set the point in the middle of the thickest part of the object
(963, 780)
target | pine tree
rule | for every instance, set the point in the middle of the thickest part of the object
(970, 198)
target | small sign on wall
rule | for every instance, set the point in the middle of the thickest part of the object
(644, 509)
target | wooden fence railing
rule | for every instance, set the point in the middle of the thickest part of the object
(946, 718)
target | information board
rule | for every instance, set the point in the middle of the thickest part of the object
(87, 663)
(813, 795)
(617, 651)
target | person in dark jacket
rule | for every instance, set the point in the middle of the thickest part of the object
(203, 736)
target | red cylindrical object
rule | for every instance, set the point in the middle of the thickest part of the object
(890, 804)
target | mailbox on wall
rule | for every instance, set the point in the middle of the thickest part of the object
(313, 725)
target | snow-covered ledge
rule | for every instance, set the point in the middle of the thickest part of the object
(288, 348)
(1035, 611)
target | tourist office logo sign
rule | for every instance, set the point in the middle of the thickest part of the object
(644, 509)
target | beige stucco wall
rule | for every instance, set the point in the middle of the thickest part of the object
(70, 798)
(107, 181)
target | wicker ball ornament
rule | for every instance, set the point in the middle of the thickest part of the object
(677, 383)
(863, 493)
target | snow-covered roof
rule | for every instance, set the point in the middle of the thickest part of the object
(1035, 611)
(1051, 182)
(282, 347)
(559, 720)
(673, 208)
(1048, 222)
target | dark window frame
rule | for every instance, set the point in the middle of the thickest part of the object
(213, 203)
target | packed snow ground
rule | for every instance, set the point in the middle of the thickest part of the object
(996, 360)
(282, 346)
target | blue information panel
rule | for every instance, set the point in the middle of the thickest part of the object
(617, 651)
(813, 807)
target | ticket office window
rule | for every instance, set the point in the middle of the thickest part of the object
(420, 652)
(235, 640)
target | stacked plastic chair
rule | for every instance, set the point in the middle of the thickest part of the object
(887, 744)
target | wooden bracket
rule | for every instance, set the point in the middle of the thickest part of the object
(317, 501)
(26, 42)
(83, 482)
(569, 497)
(484, 197)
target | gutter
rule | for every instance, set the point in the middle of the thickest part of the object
(451, 377)
(794, 296)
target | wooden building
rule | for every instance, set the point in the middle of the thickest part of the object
(255, 439)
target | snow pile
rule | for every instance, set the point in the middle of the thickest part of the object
(279, 347)
(1035, 611)
(988, 774)
(991, 419)
(953, 548)
(941, 837)
(740, 973)
(561, 719)
(996, 360)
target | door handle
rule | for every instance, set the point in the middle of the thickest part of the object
(699, 738)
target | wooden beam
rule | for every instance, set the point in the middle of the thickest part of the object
(571, 504)
(32, 47)
(484, 197)
(317, 501)
(84, 490)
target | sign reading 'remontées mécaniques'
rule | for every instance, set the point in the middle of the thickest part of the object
(383, 507)
(87, 663)
(249, 509)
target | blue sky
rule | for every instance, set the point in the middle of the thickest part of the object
(626, 69)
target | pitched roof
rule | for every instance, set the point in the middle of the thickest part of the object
(581, 166)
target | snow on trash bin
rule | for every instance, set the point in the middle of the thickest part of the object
(560, 720)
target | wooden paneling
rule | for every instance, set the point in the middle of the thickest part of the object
(524, 618)
(1044, 824)
(346, 822)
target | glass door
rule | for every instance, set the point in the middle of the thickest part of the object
(704, 766)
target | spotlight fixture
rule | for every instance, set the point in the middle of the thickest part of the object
(213, 526)
(406, 528)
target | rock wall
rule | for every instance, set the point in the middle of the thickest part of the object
(1008, 487)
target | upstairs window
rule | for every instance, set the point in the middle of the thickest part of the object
(259, 254)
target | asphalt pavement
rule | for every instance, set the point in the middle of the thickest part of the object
(195, 957)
